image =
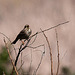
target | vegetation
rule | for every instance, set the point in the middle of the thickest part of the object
(4, 61)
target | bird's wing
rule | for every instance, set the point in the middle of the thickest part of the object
(22, 32)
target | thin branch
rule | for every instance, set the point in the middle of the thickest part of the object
(26, 44)
(50, 52)
(20, 49)
(33, 52)
(33, 40)
(16, 58)
(49, 28)
(64, 54)
(43, 52)
(11, 58)
(5, 36)
(21, 66)
(30, 63)
(39, 62)
(35, 47)
(54, 26)
(21, 58)
(9, 41)
(18, 54)
(58, 52)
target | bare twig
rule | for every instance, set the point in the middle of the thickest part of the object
(54, 26)
(33, 52)
(30, 63)
(20, 49)
(43, 52)
(17, 58)
(33, 40)
(35, 47)
(50, 53)
(49, 28)
(25, 44)
(39, 62)
(64, 54)
(58, 52)
(21, 66)
(11, 58)
(5, 36)
(9, 41)
(21, 58)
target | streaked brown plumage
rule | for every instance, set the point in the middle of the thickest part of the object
(24, 34)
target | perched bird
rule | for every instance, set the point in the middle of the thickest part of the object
(24, 34)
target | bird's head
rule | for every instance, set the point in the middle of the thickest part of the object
(26, 26)
(27, 29)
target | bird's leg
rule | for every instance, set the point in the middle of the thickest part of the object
(22, 42)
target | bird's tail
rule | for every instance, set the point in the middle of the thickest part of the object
(15, 41)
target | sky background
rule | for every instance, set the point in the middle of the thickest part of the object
(14, 14)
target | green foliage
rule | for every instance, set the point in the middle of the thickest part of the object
(67, 71)
(4, 56)
(3, 61)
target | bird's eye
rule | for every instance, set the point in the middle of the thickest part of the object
(27, 26)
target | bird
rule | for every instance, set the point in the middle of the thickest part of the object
(24, 34)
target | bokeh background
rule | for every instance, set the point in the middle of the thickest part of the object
(14, 14)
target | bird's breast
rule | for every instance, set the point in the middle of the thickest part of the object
(28, 32)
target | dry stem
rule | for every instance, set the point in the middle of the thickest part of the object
(50, 53)
(10, 57)
(58, 52)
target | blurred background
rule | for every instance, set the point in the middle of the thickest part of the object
(14, 14)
